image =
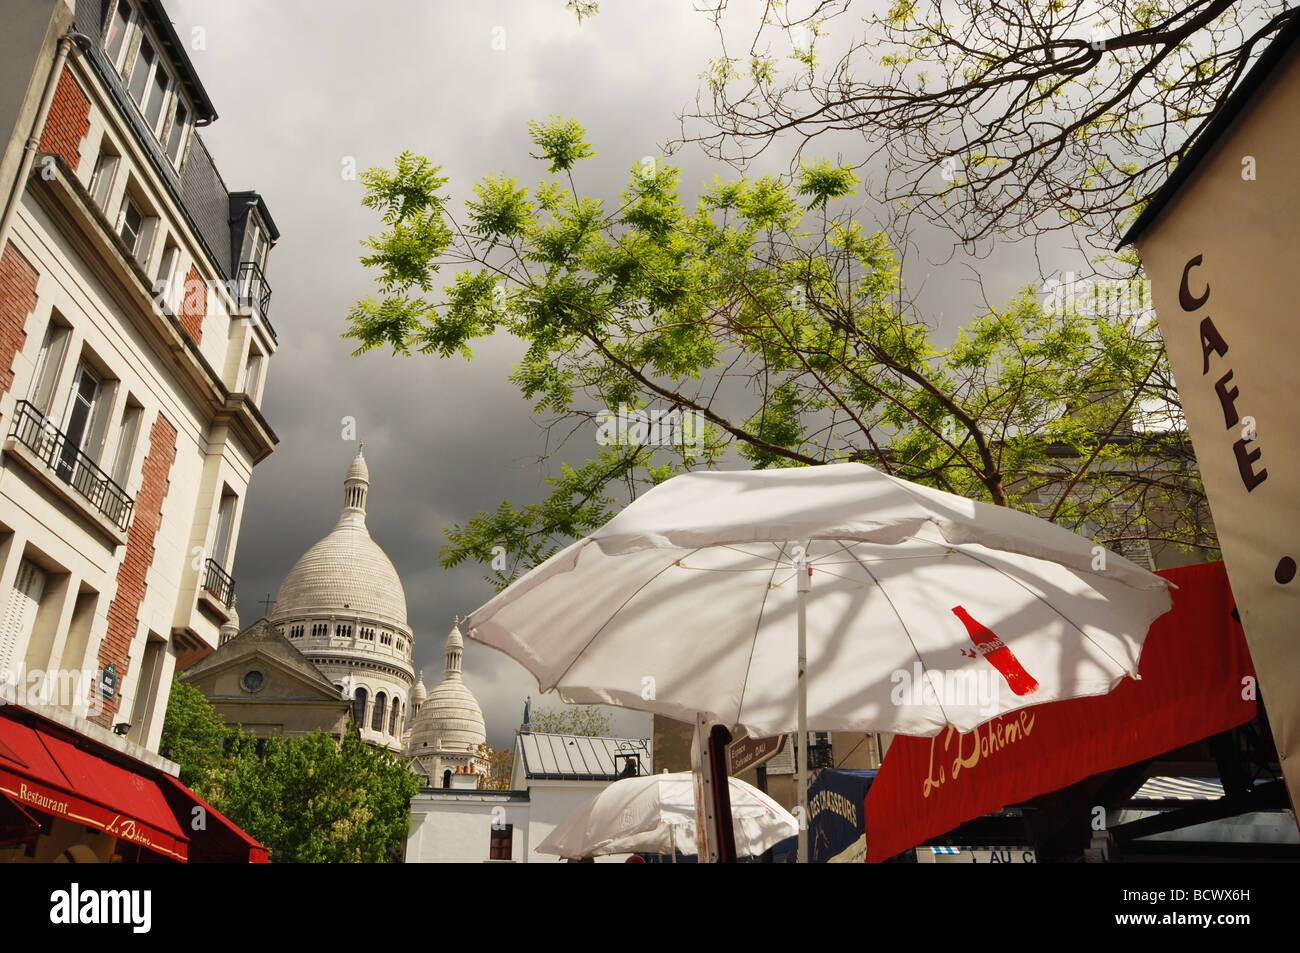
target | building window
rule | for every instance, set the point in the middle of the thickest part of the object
(115, 37)
(393, 722)
(221, 543)
(320, 629)
(180, 124)
(78, 418)
(163, 283)
(48, 364)
(359, 706)
(502, 840)
(253, 373)
(446, 778)
(344, 631)
(295, 631)
(101, 181)
(20, 614)
(255, 245)
(377, 718)
(145, 58)
(155, 97)
(367, 633)
(127, 434)
(135, 227)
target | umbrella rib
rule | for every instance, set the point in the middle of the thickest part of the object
(898, 615)
(595, 635)
(1048, 603)
(753, 642)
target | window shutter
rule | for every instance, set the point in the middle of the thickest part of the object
(20, 615)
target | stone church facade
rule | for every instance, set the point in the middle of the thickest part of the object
(337, 648)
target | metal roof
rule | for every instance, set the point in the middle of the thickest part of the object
(579, 757)
(1211, 132)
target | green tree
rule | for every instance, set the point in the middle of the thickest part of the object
(770, 315)
(306, 798)
(573, 720)
(193, 736)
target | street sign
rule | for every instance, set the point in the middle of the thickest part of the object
(749, 753)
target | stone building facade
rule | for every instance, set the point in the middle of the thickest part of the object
(134, 340)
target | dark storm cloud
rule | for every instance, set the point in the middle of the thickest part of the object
(305, 87)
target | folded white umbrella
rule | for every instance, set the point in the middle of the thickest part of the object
(655, 814)
(927, 609)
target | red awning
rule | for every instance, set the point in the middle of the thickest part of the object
(214, 838)
(1197, 680)
(40, 769)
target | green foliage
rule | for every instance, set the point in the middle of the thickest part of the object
(308, 799)
(562, 141)
(193, 734)
(585, 720)
(789, 336)
(822, 182)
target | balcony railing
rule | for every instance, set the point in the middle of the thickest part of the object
(38, 434)
(255, 290)
(218, 582)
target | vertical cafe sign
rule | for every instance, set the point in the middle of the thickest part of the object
(1219, 246)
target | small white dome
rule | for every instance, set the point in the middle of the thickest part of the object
(450, 720)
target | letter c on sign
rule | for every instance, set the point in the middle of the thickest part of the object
(1184, 293)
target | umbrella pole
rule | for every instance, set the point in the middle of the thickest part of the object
(803, 576)
(704, 836)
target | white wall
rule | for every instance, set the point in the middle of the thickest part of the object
(457, 829)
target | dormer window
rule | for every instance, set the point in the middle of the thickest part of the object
(142, 71)
(180, 124)
(115, 38)
(255, 244)
(148, 80)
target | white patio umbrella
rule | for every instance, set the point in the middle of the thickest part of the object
(930, 609)
(655, 814)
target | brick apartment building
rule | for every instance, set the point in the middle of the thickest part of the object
(134, 343)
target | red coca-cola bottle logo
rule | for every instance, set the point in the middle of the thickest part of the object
(998, 655)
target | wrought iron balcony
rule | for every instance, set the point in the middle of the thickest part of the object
(255, 290)
(218, 582)
(38, 434)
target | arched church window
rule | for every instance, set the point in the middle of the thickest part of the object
(392, 727)
(446, 778)
(377, 721)
(359, 706)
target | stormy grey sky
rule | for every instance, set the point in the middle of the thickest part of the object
(301, 86)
